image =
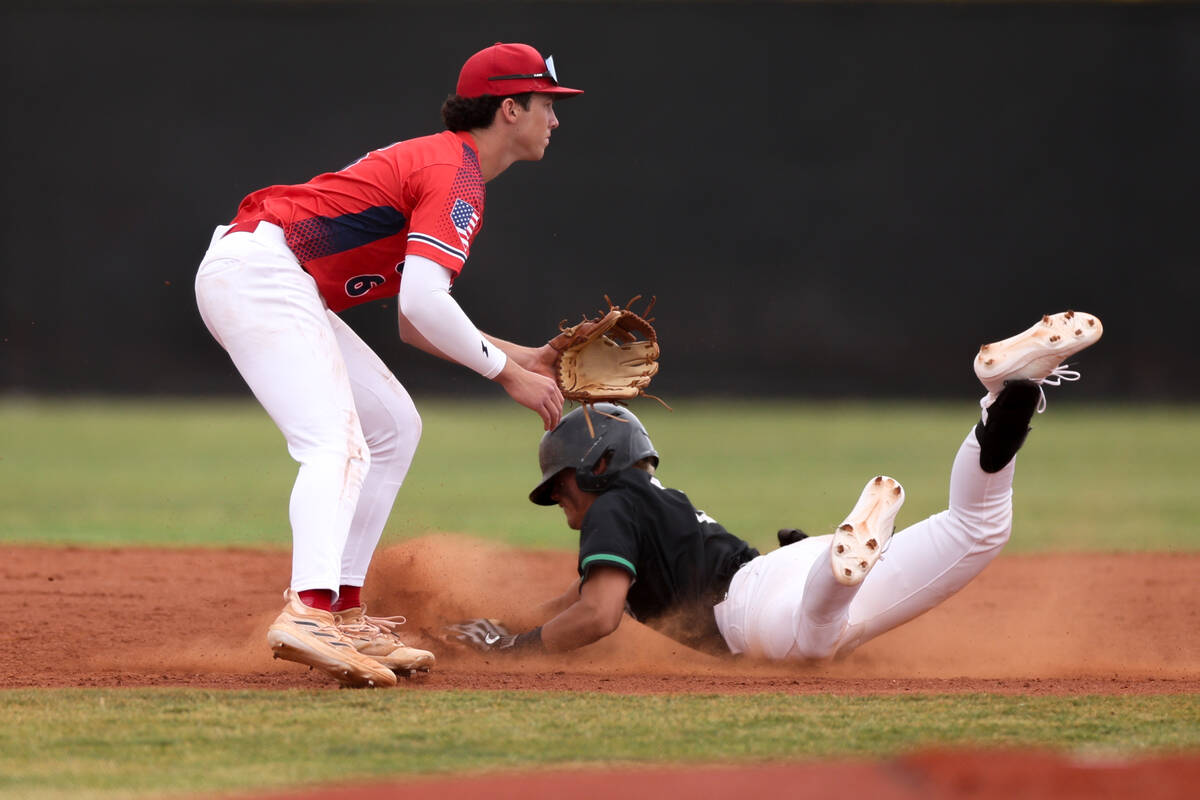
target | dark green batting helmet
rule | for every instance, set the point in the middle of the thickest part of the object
(615, 432)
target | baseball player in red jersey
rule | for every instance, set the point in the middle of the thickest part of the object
(398, 222)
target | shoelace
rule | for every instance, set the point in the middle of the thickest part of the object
(1055, 378)
(376, 625)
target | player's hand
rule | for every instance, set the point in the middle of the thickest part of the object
(484, 635)
(536, 392)
(543, 361)
(538, 360)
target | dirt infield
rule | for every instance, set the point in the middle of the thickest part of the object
(1045, 624)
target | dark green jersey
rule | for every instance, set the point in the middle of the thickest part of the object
(681, 559)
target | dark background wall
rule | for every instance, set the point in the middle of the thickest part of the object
(828, 199)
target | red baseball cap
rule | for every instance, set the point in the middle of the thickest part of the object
(505, 69)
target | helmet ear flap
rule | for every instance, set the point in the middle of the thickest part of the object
(591, 481)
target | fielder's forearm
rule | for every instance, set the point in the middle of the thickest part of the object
(530, 358)
(534, 359)
(442, 326)
(410, 335)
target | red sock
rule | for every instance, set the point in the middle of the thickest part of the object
(316, 598)
(348, 597)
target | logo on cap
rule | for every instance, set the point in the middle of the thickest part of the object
(507, 69)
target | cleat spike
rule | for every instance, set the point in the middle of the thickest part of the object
(1055, 338)
(841, 549)
(872, 544)
(846, 526)
(984, 348)
(1068, 315)
(1046, 320)
(989, 362)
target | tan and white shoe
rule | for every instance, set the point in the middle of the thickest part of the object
(311, 637)
(377, 637)
(1037, 354)
(859, 541)
(1014, 372)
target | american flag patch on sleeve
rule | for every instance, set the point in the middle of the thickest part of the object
(465, 219)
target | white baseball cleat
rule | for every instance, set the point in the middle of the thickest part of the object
(1037, 354)
(859, 541)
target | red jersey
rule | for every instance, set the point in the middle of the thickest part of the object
(352, 229)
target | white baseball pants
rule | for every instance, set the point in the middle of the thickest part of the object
(345, 417)
(786, 604)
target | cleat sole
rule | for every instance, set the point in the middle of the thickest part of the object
(287, 647)
(1034, 353)
(860, 540)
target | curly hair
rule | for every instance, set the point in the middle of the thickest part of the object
(466, 113)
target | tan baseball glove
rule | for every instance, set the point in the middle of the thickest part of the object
(608, 358)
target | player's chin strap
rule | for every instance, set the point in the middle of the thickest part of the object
(1055, 378)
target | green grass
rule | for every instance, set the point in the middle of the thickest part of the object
(116, 743)
(217, 473)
